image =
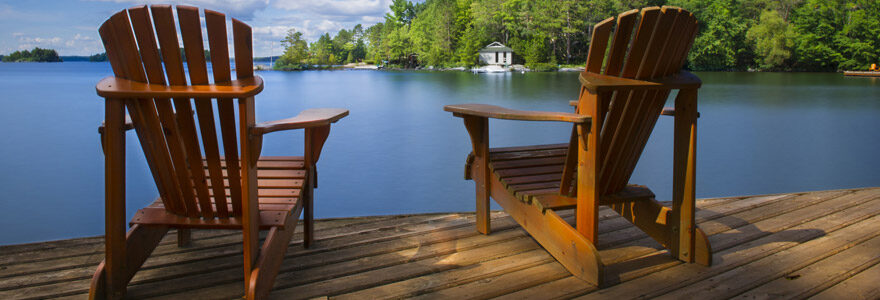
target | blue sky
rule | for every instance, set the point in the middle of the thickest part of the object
(71, 26)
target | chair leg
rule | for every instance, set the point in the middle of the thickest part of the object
(702, 249)
(184, 237)
(576, 253)
(648, 215)
(272, 252)
(482, 219)
(308, 212)
(478, 129)
(140, 241)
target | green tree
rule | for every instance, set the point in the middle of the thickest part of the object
(816, 22)
(859, 39)
(720, 44)
(321, 51)
(434, 33)
(296, 51)
(402, 12)
(772, 39)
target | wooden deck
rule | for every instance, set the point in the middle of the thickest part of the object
(822, 244)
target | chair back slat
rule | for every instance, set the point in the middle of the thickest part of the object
(166, 33)
(671, 62)
(153, 111)
(167, 128)
(215, 23)
(117, 36)
(620, 43)
(624, 107)
(244, 52)
(637, 48)
(638, 106)
(645, 45)
(194, 49)
(596, 54)
(244, 68)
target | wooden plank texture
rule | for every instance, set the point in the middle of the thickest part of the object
(816, 244)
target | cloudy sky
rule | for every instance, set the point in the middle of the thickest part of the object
(71, 26)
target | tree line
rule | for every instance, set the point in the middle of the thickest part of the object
(773, 35)
(36, 55)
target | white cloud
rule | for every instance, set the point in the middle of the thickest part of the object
(240, 9)
(275, 32)
(78, 44)
(270, 20)
(336, 7)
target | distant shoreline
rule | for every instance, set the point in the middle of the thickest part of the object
(264, 67)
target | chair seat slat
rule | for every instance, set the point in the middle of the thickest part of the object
(159, 216)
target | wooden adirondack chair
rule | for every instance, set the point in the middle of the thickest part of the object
(198, 187)
(616, 112)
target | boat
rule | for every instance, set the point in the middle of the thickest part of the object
(490, 69)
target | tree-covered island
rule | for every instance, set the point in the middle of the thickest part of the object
(771, 35)
(36, 55)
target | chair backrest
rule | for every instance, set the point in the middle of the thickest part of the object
(173, 148)
(645, 45)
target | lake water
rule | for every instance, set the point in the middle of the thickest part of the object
(399, 152)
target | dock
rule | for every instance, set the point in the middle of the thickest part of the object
(822, 244)
(862, 73)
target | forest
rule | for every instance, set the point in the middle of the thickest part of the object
(735, 35)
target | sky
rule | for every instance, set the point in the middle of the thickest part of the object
(71, 26)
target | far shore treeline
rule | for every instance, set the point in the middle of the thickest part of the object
(735, 35)
(36, 55)
(47, 55)
(769, 35)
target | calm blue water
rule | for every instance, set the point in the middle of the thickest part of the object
(399, 152)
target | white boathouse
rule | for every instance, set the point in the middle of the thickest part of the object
(496, 54)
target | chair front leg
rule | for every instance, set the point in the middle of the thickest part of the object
(314, 143)
(109, 280)
(684, 176)
(478, 128)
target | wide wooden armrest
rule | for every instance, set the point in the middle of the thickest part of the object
(597, 83)
(308, 118)
(497, 112)
(114, 87)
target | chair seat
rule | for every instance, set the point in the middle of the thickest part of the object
(533, 174)
(280, 180)
(529, 171)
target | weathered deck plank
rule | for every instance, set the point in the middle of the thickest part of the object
(821, 275)
(861, 286)
(820, 244)
(745, 250)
